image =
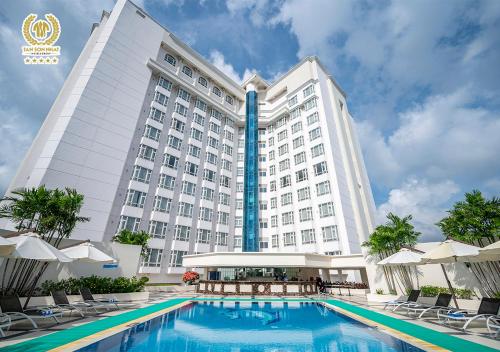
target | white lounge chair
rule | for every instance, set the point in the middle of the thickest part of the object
(412, 298)
(493, 325)
(5, 323)
(11, 306)
(489, 307)
(442, 302)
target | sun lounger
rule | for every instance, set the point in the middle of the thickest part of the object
(11, 305)
(442, 302)
(5, 323)
(89, 298)
(61, 301)
(493, 325)
(489, 307)
(412, 297)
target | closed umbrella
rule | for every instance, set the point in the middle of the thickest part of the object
(6, 247)
(31, 246)
(87, 252)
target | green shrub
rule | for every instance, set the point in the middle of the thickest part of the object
(96, 284)
(379, 291)
(432, 291)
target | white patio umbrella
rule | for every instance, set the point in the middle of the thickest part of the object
(87, 252)
(31, 246)
(6, 247)
(492, 251)
(404, 257)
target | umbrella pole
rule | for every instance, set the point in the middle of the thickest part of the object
(450, 286)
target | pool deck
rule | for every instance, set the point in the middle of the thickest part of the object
(76, 333)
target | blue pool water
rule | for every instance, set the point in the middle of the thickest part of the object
(249, 327)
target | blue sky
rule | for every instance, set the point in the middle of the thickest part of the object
(422, 79)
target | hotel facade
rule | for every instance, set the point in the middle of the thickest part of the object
(160, 140)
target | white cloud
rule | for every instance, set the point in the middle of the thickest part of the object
(426, 201)
(218, 60)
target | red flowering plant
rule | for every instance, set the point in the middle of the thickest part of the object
(190, 276)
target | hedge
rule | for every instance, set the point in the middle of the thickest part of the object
(96, 284)
(432, 291)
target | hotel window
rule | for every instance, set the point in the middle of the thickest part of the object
(296, 127)
(317, 150)
(282, 135)
(283, 149)
(262, 205)
(262, 145)
(228, 135)
(211, 158)
(308, 91)
(214, 127)
(329, 233)
(161, 99)
(241, 143)
(298, 142)
(200, 104)
(203, 81)
(170, 161)
(284, 164)
(180, 109)
(146, 152)
(262, 188)
(156, 115)
(240, 157)
(312, 118)
(185, 209)
(229, 100)
(282, 122)
(301, 175)
(176, 258)
(289, 239)
(237, 242)
(129, 223)
(299, 158)
(271, 155)
(188, 188)
(270, 128)
(262, 158)
(174, 142)
(184, 95)
(274, 202)
(227, 165)
(194, 150)
(203, 236)
(239, 203)
(213, 142)
(216, 114)
(207, 193)
(200, 120)
(238, 221)
(285, 181)
(217, 91)
(272, 186)
(239, 187)
(135, 198)
(196, 134)
(271, 141)
(314, 134)
(205, 214)
(177, 125)
(261, 132)
(157, 229)
(334, 253)
(287, 218)
(320, 168)
(305, 214)
(308, 236)
(209, 175)
(272, 170)
(166, 181)
(141, 174)
(225, 181)
(286, 198)
(323, 188)
(274, 221)
(187, 71)
(224, 198)
(153, 257)
(303, 194)
(311, 103)
(162, 204)
(165, 83)
(240, 171)
(227, 149)
(275, 241)
(263, 244)
(241, 131)
(293, 100)
(182, 233)
(222, 218)
(221, 238)
(170, 59)
(294, 113)
(191, 168)
(326, 209)
(262, 224)
(262, 172)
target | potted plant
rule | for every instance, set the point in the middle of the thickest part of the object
(189, 277)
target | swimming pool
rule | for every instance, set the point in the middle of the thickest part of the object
(249, 327)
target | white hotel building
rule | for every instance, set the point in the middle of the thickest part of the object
(154, 136)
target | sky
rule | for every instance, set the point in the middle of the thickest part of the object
(422, 80)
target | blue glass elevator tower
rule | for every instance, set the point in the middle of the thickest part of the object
(251, 182)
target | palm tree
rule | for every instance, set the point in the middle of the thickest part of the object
(140, 238)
